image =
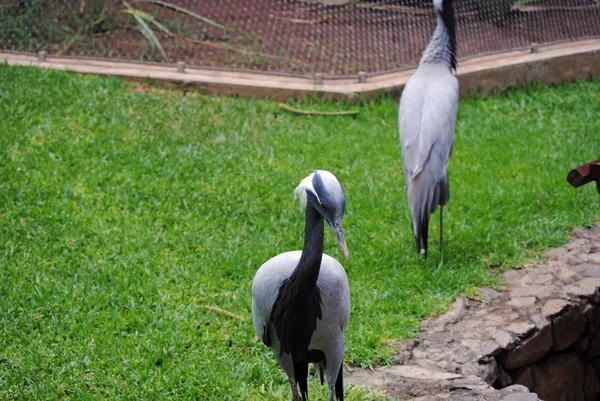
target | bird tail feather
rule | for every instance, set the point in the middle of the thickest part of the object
(424, 195)
(339, 384)
(301, 376)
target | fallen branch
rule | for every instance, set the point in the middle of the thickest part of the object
(318, 113)
(224, 312)
(64, 49)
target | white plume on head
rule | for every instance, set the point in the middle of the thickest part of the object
(305, 185)
(438, 4)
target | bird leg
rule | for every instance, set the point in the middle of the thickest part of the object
(441, 226)
(294, 389)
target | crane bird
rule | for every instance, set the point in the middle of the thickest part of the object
(301, 299)
(427, 118)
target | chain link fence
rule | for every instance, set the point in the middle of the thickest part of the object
(336, 38)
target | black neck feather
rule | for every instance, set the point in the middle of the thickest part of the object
(449, 20)
(298, 303)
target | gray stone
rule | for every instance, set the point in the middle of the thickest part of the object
(547, 308)
(593, 258)
(540, 321)
(554, 253)
(521, 397)
(504, 339)
(538, 291)
(524, 281)
(587, 287)
(457, 309)
(592, 271)
(530, 351)
(581, 232)
(522, 302)
(566, 275)
(487, 294)
(515, 388)
(554, 306)
(539, 276)
(521, 329)
(511, 275)
(417, 372)
(486, 371)
(495, 319)
(490, 348)
(469, 383)
(568, 328)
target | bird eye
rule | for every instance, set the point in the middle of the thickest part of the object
(323, 206)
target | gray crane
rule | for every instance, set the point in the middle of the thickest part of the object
(427, 118)
(301, 299)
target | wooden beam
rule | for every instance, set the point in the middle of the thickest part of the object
(549, 64)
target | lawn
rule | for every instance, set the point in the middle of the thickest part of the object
(126, 211)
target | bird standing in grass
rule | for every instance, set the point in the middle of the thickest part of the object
(301, 299)
(427, 118)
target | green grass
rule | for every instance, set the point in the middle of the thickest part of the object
(123, 214)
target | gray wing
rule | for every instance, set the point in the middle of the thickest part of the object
(427, 119)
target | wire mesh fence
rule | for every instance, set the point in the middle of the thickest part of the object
(336, 38)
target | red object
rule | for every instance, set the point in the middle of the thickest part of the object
(586, 173)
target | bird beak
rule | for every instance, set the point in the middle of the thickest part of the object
(338, 231)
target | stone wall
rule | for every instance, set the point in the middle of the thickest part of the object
(560, 359)
(541, 337)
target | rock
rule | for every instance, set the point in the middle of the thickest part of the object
(540, 321)
(566, 275)
(568, 328)
(487, 371)
(404, 351)
(522, 302)
(592, 384)
(417, 372)
(503, 379)
(594, 258)
(591, 313)
(524, 281)
(538, 291)
(587, 288)
(559, 374)
(554, 306)
(511, 275)
(530, 351)
(457, 309)
(591, 271)
(490, 348)
(521, 329)
(521, 397)
(487, 294)
(469, 383)
(523, 376)
(504, 339)
(534, 335)
(428, 398)
(515, 388)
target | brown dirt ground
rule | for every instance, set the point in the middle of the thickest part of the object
(299, 38)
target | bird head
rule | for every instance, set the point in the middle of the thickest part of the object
(441, 5)
(322, 191)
